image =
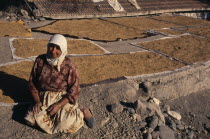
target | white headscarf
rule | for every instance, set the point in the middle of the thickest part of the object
(61, 41)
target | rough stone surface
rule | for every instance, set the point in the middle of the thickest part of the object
(166, 133)
(178, 83)
(116, 108)
(174, 114)
(155, 134)
(154, 122)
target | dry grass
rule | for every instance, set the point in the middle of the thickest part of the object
(203, 31)
(170, 32)
(33, 47)
(92, 69)
(94, 29)
(14, 29)
(183, 20)
(142, 23)
(188, 48)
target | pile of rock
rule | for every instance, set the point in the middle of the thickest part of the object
(15, 14)
(155, 121)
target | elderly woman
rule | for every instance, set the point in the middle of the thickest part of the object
(54, 86)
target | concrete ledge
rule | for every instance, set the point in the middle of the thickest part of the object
(69, 16)
(173, 84)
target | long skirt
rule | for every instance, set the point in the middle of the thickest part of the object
(68, 119)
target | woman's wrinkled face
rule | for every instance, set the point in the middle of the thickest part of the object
(54, 50)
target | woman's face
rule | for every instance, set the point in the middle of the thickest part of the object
(54, 50)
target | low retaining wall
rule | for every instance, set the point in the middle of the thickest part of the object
(174, 84)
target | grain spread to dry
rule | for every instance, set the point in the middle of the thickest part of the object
(94, 29)
(91, 69)
(142, 23)
(34, 47)
(203, 30)
(14, 29)
(187, 48)
(183, 20)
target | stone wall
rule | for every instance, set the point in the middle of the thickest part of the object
(174, 84)
(201, 15)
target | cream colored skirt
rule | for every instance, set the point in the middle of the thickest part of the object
(68, 119)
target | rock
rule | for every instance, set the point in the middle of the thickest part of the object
(204, 131)
(13, 19)
(178, 122)
(173, 125)
(115, 125)
(180, 127)
(179, 136)
(144, 130)
(12, 15)
(105, 121)
(131, 110)
(139, 105)
(165, 114)
(174, 114)
(143, 124)
(147, 84)
(161, 123)
(166, 133)
(166, 107)
(156, 109)
(36, 12)
(153, 123)
(149, 136)
(155, 134)
(142, 109)
(149, 130)
(154, 100)
(24, 12)
(27, 17)
(130, 92)
(137, 117)
(116, 108)
(190, 135)
(146, 109)
(42, 19)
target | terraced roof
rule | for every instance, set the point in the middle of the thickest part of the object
(63, 9)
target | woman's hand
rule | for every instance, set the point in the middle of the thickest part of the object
(36, 108)
(53, 109)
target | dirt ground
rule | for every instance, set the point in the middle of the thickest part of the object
(34, 47)
(109, 125)
(187, 48)
(195, 111)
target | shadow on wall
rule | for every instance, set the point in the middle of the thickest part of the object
(11, 5)
(14, 87)
(204, 1)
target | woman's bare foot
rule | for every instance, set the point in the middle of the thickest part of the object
(87, 113)
(88, 117)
